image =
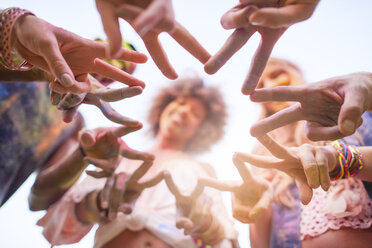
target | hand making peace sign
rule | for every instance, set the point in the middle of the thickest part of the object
(178, 33)
(252, 196)
(309, 165)
(194, 213)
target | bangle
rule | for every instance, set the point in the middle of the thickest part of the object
(350, 161)
(7, 55)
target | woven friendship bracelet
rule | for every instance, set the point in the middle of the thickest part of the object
(7, 20)
(350, 161)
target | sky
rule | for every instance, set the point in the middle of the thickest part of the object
(335, 41)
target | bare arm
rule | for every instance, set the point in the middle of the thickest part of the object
(23, 76)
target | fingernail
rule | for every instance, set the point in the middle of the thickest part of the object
(256, 23)
(104, 205)
(66, 80)
(254, 94)
(267, 139)
(348, 127)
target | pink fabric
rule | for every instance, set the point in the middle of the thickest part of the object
(61, 225)
(346, 204)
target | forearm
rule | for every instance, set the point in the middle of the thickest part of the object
(260, 231)
(22, 76)
(54, 181)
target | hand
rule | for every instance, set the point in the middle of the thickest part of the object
(103, 148)
(154, 11)
(332, 108)
(194, 214)
(122, 190)
(99, 96)
(309, 165)
(67, 56)
(251, 197)
(287, 13)
(131, 12)
(238, 18)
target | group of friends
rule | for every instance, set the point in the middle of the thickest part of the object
(309, 184)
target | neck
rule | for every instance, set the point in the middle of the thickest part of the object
(168, 143)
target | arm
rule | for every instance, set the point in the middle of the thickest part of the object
(32, 75)
(54, 181)
(101, 147)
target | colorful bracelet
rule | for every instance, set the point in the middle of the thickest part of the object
(350, 161)
(8, 18)
(200, 244)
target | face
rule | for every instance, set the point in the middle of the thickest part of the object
(181, 118)
(279, 74)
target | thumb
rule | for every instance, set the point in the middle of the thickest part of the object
(351, 112)
(262, 206)
(56, 63)
(184, 223)
(87, 138)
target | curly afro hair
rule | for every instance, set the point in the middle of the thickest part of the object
(211, 129)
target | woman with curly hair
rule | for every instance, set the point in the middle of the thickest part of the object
(186, 118)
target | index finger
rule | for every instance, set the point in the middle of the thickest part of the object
(243, 170)
(111, 26)
(235, 41)
(284, 117)
(140, 171)
(124, 54)
(124, 130)
(113, 115)
(105, 69)
(258, 161)
(278, 94)
(274, 148)
(188, 41)
(216, 184)
(171, 185)
(113, 95)
(259, 61)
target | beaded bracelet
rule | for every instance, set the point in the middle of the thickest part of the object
(8, 18)
(350, 161)
(200, 244)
